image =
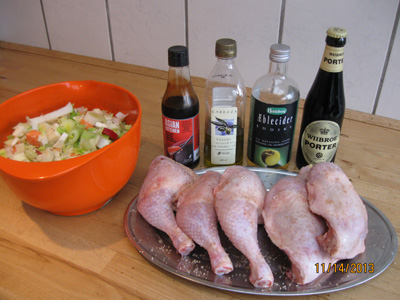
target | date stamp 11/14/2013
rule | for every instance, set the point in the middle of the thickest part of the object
(352, 268)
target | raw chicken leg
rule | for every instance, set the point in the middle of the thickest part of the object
(293, 228)
(197, 218)
(164, 182)
(332, 196)
(239, 198)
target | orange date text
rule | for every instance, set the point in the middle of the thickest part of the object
(352, 268)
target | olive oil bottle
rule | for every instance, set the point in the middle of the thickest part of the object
(324, 106)
(225, 109)
(274, 104)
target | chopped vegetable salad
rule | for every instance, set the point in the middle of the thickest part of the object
(64, 133)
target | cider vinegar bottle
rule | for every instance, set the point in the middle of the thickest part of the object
(324, 106)
(274, 104)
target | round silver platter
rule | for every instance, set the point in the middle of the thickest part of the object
(156, 246)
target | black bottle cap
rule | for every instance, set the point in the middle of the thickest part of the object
(178, 56)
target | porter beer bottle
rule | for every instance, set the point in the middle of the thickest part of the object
(324, 106)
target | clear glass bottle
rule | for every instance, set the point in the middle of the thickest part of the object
(180, 111)
(225, 108)
(274, 105)
(324, 107)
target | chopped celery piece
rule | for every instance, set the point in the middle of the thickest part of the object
(87, 141)
(31, 155)
(3, 153)
(61, 129)
(74, 136)
(68, 125)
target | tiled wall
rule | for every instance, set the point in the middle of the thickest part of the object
(140, 32)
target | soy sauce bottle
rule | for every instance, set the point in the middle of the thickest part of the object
(180, 111)
(324, 106)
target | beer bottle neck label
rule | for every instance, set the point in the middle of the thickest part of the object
(332, 60)
(320, 141)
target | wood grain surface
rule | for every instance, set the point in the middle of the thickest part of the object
(44, 256)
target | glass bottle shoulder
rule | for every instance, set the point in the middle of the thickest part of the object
(225, 72)
(276, 88)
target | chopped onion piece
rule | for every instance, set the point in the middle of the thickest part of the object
(120, 115)
(19, 131)
(14, 141)
(102, 142)
(20, 157)
(61, 140)
(51, 116)
(100, 125)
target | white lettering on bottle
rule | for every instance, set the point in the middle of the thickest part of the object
(172, 126)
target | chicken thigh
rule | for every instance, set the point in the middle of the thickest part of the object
(239, 199)
(197, 218)
(164, 182)
(293, 228)
(332, 196)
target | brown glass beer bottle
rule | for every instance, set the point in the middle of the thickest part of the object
(324, 107)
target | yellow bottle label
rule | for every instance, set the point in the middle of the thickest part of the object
(320, 141)
(332, 60)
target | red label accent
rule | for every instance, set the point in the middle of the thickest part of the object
(181, 139)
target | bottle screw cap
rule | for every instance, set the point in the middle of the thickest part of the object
(225, 48)
(279, 53)
(178, 56)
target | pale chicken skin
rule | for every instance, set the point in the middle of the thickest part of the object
(197, 218)
(293, 228)
(164, 182)
(332, 196)
(239, 199)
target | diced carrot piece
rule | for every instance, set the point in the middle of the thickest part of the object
(87, 125)
(33, 137)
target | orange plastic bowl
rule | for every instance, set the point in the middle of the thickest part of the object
(78, 185)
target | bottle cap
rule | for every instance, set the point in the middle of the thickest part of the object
(178, 56)
(279, 53)
(337, 32)
(225, 48)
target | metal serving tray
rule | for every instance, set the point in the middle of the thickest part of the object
(156, 246)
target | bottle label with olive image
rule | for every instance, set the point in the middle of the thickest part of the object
(271, 133)
(320, 141)
(223, 135)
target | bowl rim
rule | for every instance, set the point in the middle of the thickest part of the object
(39, 171)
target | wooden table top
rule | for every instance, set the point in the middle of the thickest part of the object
(44, 256)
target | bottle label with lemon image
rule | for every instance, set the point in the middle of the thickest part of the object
(271, 133)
